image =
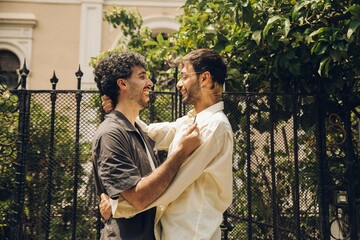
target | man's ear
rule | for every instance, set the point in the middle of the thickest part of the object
(205, 79)
(121, 83)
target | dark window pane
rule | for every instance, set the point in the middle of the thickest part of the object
(9, 64)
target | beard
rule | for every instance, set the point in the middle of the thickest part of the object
(143, 101)
(140, 98)
(193, 93)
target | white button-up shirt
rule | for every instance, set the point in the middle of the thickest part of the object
(193, 205)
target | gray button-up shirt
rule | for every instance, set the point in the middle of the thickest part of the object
(120, 161)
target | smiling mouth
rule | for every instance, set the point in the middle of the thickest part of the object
(147, 91)
(183, 93)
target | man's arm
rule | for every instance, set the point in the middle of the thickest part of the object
(149, 188)
(162, 133)
(189, 171)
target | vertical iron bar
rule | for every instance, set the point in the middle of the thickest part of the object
(323, 169)
(78, 97)
(350, 158)
(53, 97)
(23, 135)
(296, 106)
(225, 226)
(248, 166)
(152, 107)
(273, 166)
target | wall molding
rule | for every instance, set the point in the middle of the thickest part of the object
(124, 3)
(11, 18)
(16, 35)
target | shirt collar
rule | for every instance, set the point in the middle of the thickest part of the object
(121, 118)
(206, 113)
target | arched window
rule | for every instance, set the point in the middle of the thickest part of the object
(9, 64)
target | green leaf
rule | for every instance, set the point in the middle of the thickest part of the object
(352, 28)
(287, 26)
(318, 31)
(160, 38)
(150, 43)
(296, 10)
(324, 67)
(270, 23)
(229, 48)
(244, 3)
(319, 47)
(355, 10)
(257, 36)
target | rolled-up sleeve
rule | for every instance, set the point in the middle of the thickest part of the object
(116, 170)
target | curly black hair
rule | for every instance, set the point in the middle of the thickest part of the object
(114, 66)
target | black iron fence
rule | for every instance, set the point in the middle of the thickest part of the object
(296, 163)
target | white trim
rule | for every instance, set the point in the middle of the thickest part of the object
(21, 53)
(44, 1)
(90, 38)
(10, 18)
(161, 22)
(18, 50)
(162, 4)
(16, 35)
(125, 3)
(155, 22)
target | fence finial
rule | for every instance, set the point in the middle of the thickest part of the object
(247, 84)
(79, 75)
(54, 80)
(24, 72)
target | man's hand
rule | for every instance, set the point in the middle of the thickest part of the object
(105, 207)
(106, 103)
(190, 140)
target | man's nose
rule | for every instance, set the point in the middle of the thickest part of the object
(179, 84)
(150, 83)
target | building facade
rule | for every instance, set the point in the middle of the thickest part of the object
(61, 35)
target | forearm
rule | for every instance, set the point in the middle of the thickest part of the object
(152, 186)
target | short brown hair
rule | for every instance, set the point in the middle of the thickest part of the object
(205, 59)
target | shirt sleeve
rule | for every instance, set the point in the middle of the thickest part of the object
(117, 170)
(215, 142)
(162, 133)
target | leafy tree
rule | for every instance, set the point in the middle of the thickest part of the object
(301, 46)
(8, 133)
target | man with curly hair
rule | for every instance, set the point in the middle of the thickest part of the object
(125, 164)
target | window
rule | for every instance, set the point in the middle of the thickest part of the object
(9, 64)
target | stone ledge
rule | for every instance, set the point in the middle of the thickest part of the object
(10, 18)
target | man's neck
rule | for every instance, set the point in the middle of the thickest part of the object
(204, 104)
(131, 113)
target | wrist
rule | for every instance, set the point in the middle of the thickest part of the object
(180, 154)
